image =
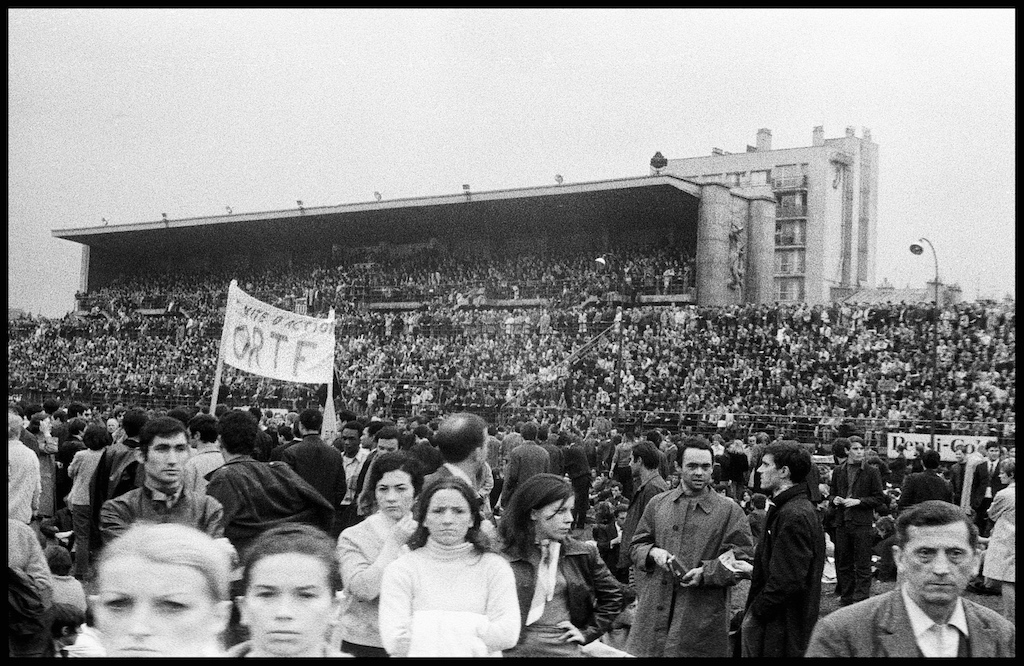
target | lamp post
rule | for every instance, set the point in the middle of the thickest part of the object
(917, 250)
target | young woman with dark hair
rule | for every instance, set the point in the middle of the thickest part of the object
(450, 596)
(567, 596)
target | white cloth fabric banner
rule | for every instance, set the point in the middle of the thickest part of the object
(272, 342)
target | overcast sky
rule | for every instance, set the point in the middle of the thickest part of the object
(127, 114)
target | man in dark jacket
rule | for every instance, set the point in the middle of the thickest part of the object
(257, 496)
(926, 485)
(855, 492)
(785, 589)
(319, 464)
(577, 468)
(644, 462)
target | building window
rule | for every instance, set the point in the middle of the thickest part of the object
(790, 232)
(789, 289)
(790, 262)
(758, 178)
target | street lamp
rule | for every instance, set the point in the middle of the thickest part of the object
(917, 249)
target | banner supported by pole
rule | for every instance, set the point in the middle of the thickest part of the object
(267, 341)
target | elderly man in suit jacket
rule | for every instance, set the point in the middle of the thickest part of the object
(936, 553)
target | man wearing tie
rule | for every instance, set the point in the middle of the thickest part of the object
(990, 479)
(936, 553)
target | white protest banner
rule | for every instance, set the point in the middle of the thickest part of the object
(271, 342)
(944, 443)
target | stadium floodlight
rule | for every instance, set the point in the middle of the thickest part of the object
(228, 208)
(558, 178)
(377, 196)
(165, 216)
(105, 223)
(918, 249)
(299, 202)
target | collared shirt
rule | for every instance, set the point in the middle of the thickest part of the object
(167, 500)
(993, 474)
(353, 466)
(461, 474)
(933, 639)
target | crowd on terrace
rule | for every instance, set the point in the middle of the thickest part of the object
(823, 363)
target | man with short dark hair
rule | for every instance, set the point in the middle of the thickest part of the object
(644, 463)
(679, 546)
(162, 453)
(785, 586)
(202, 429)
(319, 464)
(353, 456)
(855, 491)
(524, 461)
(577, 468)
(936, 553)
(992, 485)
(257, 496)
(118, 470)
(926, 485)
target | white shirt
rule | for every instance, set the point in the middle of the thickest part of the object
(352, 468)
(993, 472)
(933, 639)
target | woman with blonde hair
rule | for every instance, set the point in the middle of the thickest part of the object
(162, 591)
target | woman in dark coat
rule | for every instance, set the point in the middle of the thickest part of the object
(567, 596)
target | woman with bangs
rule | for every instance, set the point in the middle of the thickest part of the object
(451, 596)
(290, 577)
(567, 596)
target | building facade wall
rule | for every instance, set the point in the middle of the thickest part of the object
(834, 168)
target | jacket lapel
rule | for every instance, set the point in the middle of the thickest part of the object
(894, 631)
(983, 639)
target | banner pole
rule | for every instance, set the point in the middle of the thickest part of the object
(216, 384)
(330, 427)
(220, 352)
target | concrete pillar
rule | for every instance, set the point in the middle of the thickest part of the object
(83, 277)
(713, 246)
(760, 280)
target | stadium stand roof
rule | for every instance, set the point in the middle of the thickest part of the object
(631, 196)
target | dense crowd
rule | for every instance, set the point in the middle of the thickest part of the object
(445, 536)
(819, 363)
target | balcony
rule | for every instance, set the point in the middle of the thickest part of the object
(790, 183)
(782, 212)
(788, 240)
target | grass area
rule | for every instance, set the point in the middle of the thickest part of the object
(830, 602)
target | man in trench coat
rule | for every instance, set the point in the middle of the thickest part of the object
(686, 529)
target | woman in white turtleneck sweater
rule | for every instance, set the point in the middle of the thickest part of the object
(451, 596)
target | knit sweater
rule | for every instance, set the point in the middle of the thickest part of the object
(364, 551)
(442, 601)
